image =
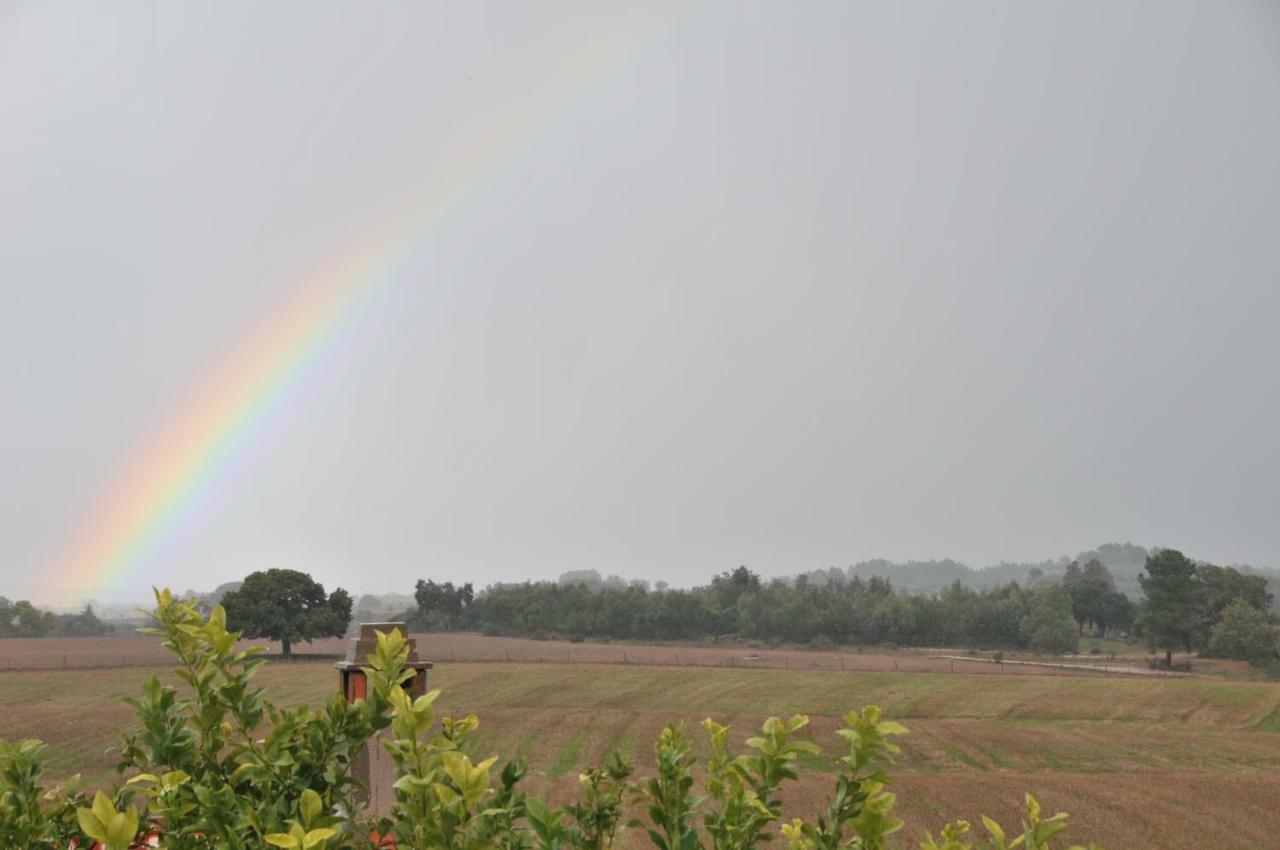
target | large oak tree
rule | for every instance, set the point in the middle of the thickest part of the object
(288, 606)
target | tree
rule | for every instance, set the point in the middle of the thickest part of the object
(288, 606)
(1094, 598)
(22, 619)
(441, 606)
(1049, 626)
(1244, 632)
(893, 619)
(1221, 587)
(84, 624)
(1171, 612)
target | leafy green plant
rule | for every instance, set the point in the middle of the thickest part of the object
(30, 816)
(115, 830)
(1037, 833)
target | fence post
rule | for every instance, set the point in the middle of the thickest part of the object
(953, 665)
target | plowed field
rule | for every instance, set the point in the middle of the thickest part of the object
(1137, 762)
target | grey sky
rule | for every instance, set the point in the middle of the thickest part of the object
(789, 285)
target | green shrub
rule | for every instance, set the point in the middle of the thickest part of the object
(211, 779)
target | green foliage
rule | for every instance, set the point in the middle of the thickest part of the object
(1245, 633)
(30, 816)
(1221, 587)
(739, 604)
(1038, 833)
(1049, 626)
(1186, 604)
(1172, 610)
(221, 768)
(208, 767)
(22, 619)
(115, 830)
(860, 814)
(287, 606)
(440, 606)
(1094, 599)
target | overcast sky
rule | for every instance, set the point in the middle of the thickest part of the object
(788, 285)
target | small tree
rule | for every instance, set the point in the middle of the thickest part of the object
(288, 606)
(1245, 633)
(1049, 626)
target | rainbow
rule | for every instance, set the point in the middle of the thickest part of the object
(198, 447)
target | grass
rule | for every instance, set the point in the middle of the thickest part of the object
(1138, 762)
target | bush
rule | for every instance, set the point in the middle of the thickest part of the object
(212, 780)
(1245, 633)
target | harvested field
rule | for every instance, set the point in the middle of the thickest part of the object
(1137, 762)
(141, 651)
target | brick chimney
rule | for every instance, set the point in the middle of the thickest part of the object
(373, 766)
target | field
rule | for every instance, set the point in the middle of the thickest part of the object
(1137, 762)
(141, 651)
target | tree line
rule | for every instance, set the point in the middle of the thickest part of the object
(1185, 606)
(21, 619)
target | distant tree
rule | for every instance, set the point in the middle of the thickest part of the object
(1171, 612)
(84, 624)
(22, 619)
(1048, 626)
(1221, 587)
(288, 606)
(591, 578)
(441, 606)
(730, 586)
(1244, 632)
(893, 619)
(207, 602)
(1094, 599)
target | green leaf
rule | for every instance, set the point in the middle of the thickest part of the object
(310, 806)
(318, 836)
(103, 809)
(91, 825)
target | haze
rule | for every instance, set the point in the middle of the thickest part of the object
(784, 285)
